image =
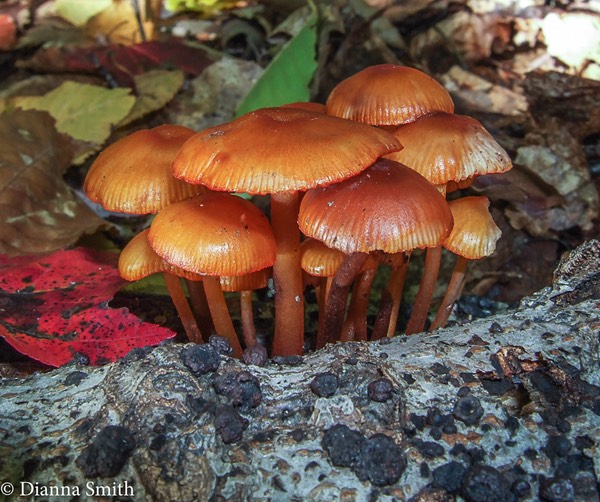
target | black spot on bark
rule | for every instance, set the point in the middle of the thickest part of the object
(108, 453)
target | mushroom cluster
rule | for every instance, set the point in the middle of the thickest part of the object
(355, 184)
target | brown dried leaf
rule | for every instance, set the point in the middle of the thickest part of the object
(550, 188)
(565, 110)
(574, 101)
(40, 213)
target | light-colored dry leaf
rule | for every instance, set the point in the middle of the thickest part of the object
(39, 211)
(469, 36)
(552, 167)
(526, 30)
(591, 71)
(574, 38)
(481, 95)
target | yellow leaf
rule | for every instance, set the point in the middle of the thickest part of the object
(200, 5)
(84, 112)
(79, 12)
(155, 89)
(118, 24)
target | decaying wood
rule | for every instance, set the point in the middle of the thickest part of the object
(505, 408)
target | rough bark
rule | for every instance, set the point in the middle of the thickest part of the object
(504, 408)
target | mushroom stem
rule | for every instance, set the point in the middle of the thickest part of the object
(220, 313)
(287, 276)
(335, 307)
(416, 323)
(327, 287)
(382, 321)
(183, 307)
(355, 327)
(322, 295)
(200, 307)
(455, 286)
(248, 328)
(395, 288)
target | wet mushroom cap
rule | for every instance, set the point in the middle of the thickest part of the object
(475, 233)
(216, 234)
(138, 260)
(446, 147)
(246, 282)
(388, 207)
(388, 94)
(276, 150)
(319, 260)
(306, 105)
(133, 175)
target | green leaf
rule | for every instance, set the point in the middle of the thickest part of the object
(84, 112)
(153, 284)
(288, 76)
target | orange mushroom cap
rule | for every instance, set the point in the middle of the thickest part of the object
(388, 94)
(387, 207)
(216, 234)
(276, 150)
(138, 260)
(246, 282)
(133, 175)
(475, 233)
(449, 148)
(319, 260)
(306, 105)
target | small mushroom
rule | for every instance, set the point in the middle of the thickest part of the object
(138, 260)
(447, 148)
(473, 237)
(133, 175)
(388, 207)
(214, 235)
(388, 95)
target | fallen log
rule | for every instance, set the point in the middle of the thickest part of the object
(504, 408)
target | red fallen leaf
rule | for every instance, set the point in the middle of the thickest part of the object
(8, 32)
(55, 306)
(121, 63)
